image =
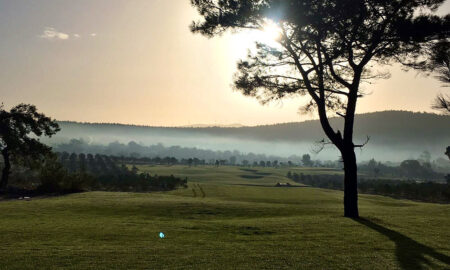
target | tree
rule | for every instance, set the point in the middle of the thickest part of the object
(289, 175)
(413, 169)
(442, 103)
(425, 157)
(306, 160)
(438, 63)
(325, 50)
(196, 161)
(232, 160)
(16, 126)
(134, 169)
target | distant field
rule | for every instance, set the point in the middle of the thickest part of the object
(232, 227)
(234, 174)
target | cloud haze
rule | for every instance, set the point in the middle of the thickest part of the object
(145, 67)
(51, 33)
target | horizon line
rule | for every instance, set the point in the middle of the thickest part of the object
(238, 125)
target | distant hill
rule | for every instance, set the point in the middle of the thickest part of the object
(383, 127)
(213, 125)
(393, 130)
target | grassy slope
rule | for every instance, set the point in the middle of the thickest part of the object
(233, 227)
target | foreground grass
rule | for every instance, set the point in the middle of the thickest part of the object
(232, 227)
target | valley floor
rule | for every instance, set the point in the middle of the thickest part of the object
(239, 223)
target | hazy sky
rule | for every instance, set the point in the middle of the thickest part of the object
(135, 61)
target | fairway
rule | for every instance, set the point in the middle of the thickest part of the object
(234, 175)
(236, 225)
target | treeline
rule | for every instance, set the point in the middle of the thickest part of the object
(68, 173)
(409, 169)
(133, 153)
(406, 189)
(136, 153)
(136, 150)
(75, 161)
(108, 175)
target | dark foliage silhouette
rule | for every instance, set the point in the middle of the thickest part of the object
(407, 189)
(105, 173)
(325, 51)
(306, 160)
(442, 103)
(16, 144)
(63, 173)
(438, 63)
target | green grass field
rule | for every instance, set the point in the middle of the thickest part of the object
(234, 175)
(241, 223)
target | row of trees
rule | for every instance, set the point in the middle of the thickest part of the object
(135, 150)
(70, 160)
(36, 167)
(412, 169)
(74, 173)
(105, 173)
(407, 189)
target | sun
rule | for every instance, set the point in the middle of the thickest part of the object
(269, 34)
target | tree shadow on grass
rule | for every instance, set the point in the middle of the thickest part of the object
(410, 254)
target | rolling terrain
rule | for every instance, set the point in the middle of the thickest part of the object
(240, 223)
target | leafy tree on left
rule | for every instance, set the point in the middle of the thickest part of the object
(20, 129)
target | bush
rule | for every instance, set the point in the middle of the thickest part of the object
(54, 178)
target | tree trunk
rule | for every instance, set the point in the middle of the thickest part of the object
(6, 170)
(350, 183)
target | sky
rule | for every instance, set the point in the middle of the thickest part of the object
(136, 62)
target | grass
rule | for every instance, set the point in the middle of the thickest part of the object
(234, 175)
(237, 225)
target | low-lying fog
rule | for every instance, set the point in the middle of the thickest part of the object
(394, 136)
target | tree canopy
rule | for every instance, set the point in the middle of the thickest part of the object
(324, 46)
(16, 126)
(326, 49)
(437, 62)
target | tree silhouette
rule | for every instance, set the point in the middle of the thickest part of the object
(232, 160)
(438, 63)
(306, 160)
(325, 50)
(442, 103)
(15, 127)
